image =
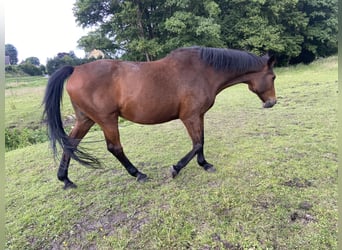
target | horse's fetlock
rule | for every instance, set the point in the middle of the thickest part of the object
(174, 171)
(60, 176)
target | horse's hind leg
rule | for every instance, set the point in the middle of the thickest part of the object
(80, 129)
(111, 132)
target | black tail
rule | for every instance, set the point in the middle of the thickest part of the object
(52, 115)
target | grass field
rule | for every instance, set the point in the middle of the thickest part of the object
(275, 185)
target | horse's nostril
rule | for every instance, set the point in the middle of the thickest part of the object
(270, 103)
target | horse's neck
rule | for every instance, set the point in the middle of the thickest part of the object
(228, 79)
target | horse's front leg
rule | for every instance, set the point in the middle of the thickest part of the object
(194, 126)
(201, 159)
(185, 160)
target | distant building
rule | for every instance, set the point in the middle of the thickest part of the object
(97, 54)
(7, 60)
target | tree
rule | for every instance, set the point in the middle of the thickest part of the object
(98, 40)
(30, 69)
(261, 26)
(63, 59)
(33, 60)
(58, 61)
(149, 29)
(320, 36)
(12, 52)
(193, 23)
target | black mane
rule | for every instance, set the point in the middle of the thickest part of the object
(236, 60)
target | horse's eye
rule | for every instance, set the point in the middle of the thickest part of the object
(273, 78)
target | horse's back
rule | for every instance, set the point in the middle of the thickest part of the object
(142, 92)
(94, 71)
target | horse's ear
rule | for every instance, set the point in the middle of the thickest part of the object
(271, 61)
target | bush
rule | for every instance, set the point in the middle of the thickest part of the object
(30, 69)
(10, 69)
(64, 59)
(16, 138)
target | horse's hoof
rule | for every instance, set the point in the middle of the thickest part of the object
(142, 177)
(173, 171)
(209, 168)
(69, 185)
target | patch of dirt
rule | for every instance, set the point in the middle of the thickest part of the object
(301, 217)
(266, 201)
(305, 205)
(299, 183)
(226, 212)
(226, 244)
(263, 204)
(102, 225)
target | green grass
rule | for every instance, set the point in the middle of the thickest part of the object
(275, 185)
(23, 109)
(23, 99)
(24, 81)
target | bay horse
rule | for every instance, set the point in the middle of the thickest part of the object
(183, 85)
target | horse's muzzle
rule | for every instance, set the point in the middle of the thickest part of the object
(270, 103)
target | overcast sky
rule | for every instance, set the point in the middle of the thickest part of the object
(41, 28)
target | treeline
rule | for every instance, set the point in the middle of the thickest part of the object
(64, 58)
(32, 67)
(295, 30)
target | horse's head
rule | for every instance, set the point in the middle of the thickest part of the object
(262, 84)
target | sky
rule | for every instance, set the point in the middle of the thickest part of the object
(42, 28)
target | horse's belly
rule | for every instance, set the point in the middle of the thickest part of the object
(149, 113)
